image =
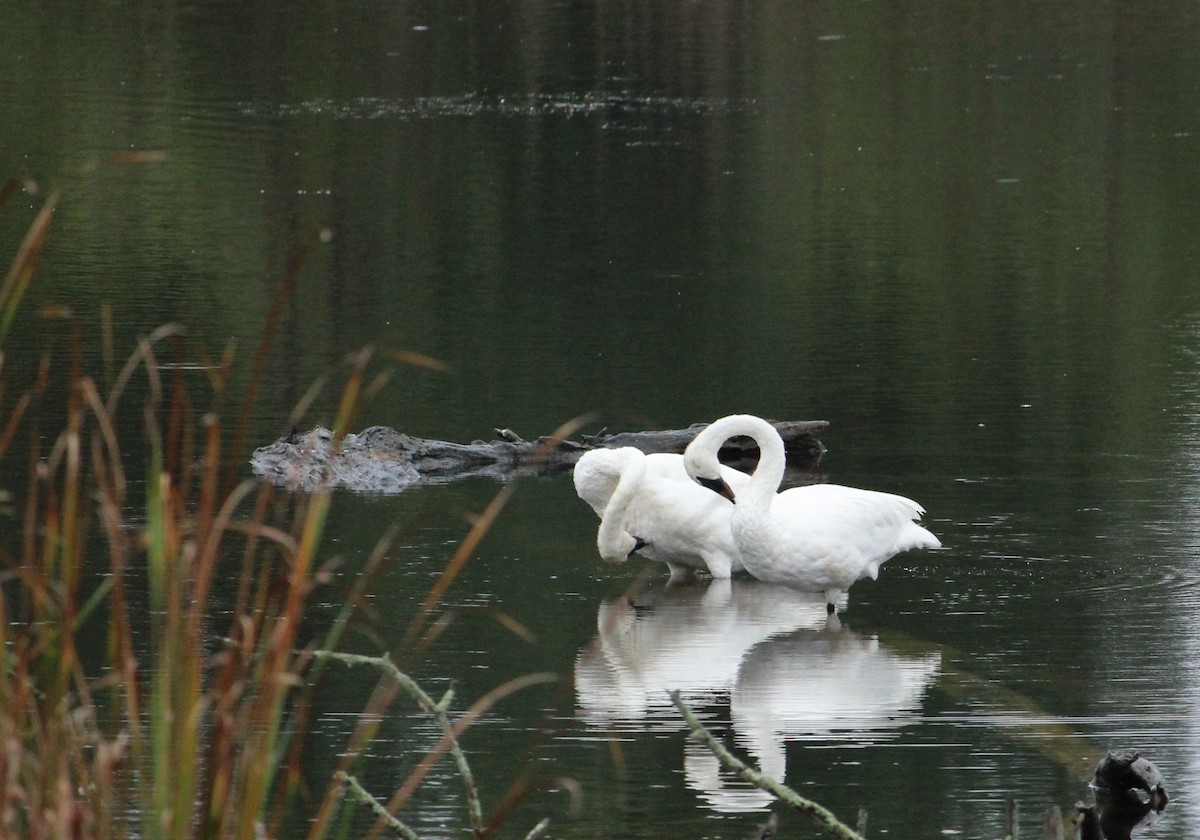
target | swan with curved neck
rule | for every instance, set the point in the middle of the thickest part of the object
(647, 504)
(820, 538)
(597, 472)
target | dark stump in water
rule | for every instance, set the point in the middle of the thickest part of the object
(382, 460)
(1129, 797)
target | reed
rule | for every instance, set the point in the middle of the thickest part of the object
(169, 736)
(20, 272)
(192, 727)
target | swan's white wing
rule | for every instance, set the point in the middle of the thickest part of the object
(685, 524)
(681, 523)
(874, 522)
(848, 532)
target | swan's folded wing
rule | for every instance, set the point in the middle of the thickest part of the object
(876, 525)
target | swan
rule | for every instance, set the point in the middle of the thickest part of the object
(597, 471)
(647, 503)
(820, 538)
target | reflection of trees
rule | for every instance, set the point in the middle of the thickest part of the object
(859, 171)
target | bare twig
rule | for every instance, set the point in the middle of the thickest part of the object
(360, 794)
(819, 814)
(465, 721)
(450, 731)
(538, 830)
(427, 704)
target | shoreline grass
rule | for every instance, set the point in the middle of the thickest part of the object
(193, 725)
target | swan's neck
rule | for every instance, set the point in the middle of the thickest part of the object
(764, 482)
(702, 463)
(632, 465)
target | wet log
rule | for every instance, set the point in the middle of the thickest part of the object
(382, 460)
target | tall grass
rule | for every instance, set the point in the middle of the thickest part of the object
(193, 724)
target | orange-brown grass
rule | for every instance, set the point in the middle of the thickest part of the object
(192, 725)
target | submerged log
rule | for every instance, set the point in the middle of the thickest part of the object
(380, 459)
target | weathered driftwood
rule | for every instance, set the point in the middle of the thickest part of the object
(381, 460)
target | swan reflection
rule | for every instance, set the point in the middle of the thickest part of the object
(690, 637)
(789, 671)
(825, 686)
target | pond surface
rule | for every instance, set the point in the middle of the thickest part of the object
(966, 236)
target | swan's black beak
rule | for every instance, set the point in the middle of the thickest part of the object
(718, 486)
(638, 545)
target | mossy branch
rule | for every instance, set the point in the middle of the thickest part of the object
(360, 794)
(438, 710)
(819, 814)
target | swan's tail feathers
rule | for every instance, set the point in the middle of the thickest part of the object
(911, 508)
(912, 536)
(918, 536)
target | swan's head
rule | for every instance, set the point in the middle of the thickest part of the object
(700, 461)
(596, 475)
(618, 547)
(719, 486)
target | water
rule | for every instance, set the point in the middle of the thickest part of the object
(966, 237)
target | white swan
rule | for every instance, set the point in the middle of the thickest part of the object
(598, 470)
(820, 538)
(647, 503)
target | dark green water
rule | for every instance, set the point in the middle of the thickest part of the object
(967, 236)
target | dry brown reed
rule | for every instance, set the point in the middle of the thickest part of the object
(192, 726)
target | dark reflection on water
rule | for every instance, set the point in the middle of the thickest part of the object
(965, 236)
